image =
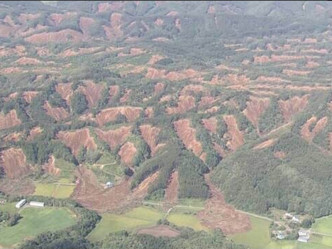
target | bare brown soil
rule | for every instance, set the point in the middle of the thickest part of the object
(155, 58)
(14, 163)
(276, 58)
(308, 134)
(11, 96)
(114, 30)
(9, 120)
(27, 61)
(65, 35)
(312, 64)
(13, 137)
(188, 136)
(58, 113)
(280, 154)
(212, 109)
(185, 104)
(29, 95)
(206, 101)
(295, 72)
(235, 135)
(160, 231)
(271, 79)
(292, 106)
(149, 112)
(171, 193)
(64, 89)
(110, 114)
(150, 135)
(90, 194)
(154, 73)
(125, 96)
(17, 187)
(114, 137)
(220, 150)
(178, 23)
(85, 24)
(255, 108)
(189, 89)
(127, 153)
(236, 79)
(210, 124)
(265, 144)
(75, 139)
(104, 7)
(50, 168)
(92, 91)
(159, 22)
(218, 214)
(114, 90)
(35, 131)
(159, 87)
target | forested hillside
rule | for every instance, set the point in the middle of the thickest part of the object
(157, 97)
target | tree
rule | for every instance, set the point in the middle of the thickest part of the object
(78, 103)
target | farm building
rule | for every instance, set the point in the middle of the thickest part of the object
(295, 219)
(281, 235)
(304, 235)
(109, 184)
(36, 204)
(21, 203)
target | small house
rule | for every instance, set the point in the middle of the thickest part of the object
(21, 203)
(109, 184)
(36, 204)
(304, 235)
(295, 220)
(281, 235)
(288, 216)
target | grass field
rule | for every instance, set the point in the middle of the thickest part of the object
(323, 225)
(34, 222)
(54, 190)
(9, 207)
(136, 218)
(186, 220)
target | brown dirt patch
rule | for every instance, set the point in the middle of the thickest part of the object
(218, 214)
(161, 39)
(66, 35)
(308, 134)
(104, 7)
(315, 51)
(312, 64)
(212, 109)
(155, 58)
(125, 96)
(10, 96)
(178, 23)
(17, 187)
(6, 31)
(92, 91)
(57, 18)
(210, 124)
(188, 136)
(9, 120)
(235, 135)
(127, 153)
(35, 131)
(64, 89)
(237, 79)
(114, 30)
(58, 113)
(160, 231)
(75, 139)
(154, 73)
(85, 24)
(310, 40)
(171, 193)
(149, 112)
(255, 108)
(90, 194)
(172, 13)
(220, 150)
(192, 89)
(280, 154)
(295, 72)
(265, 144)
(185, 104)
(13, 137)
(292, 106)
(110, 114)
(28, 61)
(114, 137)
(150, 135)
(159, 22)
(159, 87)
(14, 163)
(23, 18)
(276, 58)
(114, 90)
(50, 168)
(206, 101)
(29, 95)
(271, 79)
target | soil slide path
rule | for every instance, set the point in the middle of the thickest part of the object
(171, 193)
(218, 214)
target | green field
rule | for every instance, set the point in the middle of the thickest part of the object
(259, 238)
(136, 218)
(9, 207)
(186, 220)
(34, 222)
(323, 225)
(54, 190)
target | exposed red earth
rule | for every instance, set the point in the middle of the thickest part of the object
(114, 137)
(235, 135)
(292, 106)
(14, 163)
(9, 120)
(127, 153)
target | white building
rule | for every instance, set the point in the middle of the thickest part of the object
(36, 204)
(295, 219)
(109, 184)
(21, 203)
(304, 235)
